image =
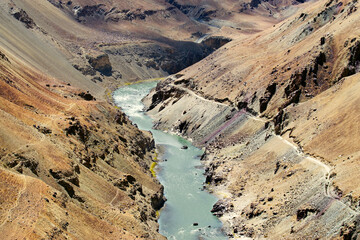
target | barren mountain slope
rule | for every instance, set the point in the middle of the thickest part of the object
(143, 39)
(277, 112)
(175, 19)
(37, 51)
(72, 166)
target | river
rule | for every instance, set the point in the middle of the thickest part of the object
(186, 214)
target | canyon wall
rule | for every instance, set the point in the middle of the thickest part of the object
(276, 108)
(276, 112)
(73, 166)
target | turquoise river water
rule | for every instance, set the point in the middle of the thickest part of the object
(180, 172)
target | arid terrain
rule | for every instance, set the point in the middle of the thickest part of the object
(270, 90)
(278, 114)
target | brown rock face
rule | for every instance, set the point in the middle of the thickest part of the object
(158, 200)
(221, 207)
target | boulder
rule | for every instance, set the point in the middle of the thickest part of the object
(87, 96)
(221, 207)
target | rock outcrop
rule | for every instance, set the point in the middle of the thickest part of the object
(269, 93)
(77, 159)
(221, 207)
(23, 17)
(101, 63)
(216, 42)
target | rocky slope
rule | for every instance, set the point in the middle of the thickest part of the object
(72, 165)
(141, 39)
(277, 112)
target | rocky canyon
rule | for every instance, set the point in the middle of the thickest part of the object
(268, 89)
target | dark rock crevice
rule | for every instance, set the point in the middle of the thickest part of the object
(311, 80)
(353, 65)
(70, 190)
(78, 130)
(158, 200)
(280, 121)
(183, 126)
(303, 213)
(85, 70)
(87, 96)
(95, 11)
(129, 185)
(351, 230)
(265, 99)
(3, 57)
(69, 180)
(20, 162)
(245, 106)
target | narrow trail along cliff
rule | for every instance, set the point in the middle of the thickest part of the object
(326, 168)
